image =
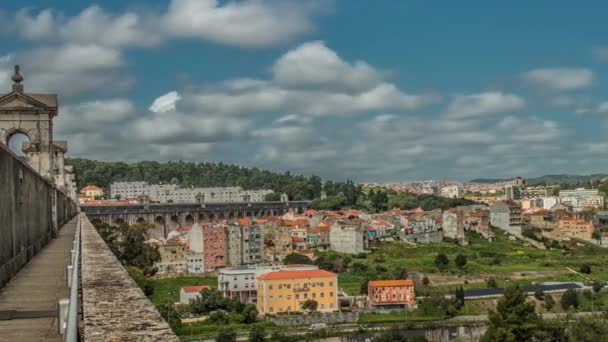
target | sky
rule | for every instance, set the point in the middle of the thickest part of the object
(386, 90)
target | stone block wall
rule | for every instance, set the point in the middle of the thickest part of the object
(31, 212)
(114, 307)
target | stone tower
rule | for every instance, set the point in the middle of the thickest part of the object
(32, 115)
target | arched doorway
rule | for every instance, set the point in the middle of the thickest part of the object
(119, 221)
(15, 142)
(141, 220)
(211, 217)
(174, 224)
(201, 217)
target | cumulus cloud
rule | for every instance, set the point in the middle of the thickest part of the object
(560, 79)
(314, 65)
(242, 23)
(94, 115)
(166, 102)
(483, 104)
(252, 23)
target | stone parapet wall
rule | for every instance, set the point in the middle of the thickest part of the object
(114, 307)
(31, 212)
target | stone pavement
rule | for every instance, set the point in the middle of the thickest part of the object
(35, 291)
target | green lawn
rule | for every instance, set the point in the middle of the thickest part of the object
(167, 290)
(499, 258)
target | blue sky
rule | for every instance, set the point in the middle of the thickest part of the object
(377, 91)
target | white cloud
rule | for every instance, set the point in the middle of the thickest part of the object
(314, 65)
(166, 102)
(600, 53)
(75, 58)
(94, 116)
(484, 104)
(240, 23)
(560, 78)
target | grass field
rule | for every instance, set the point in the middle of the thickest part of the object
(501, 258)
(167, 290)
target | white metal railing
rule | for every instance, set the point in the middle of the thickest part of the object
(68, 308)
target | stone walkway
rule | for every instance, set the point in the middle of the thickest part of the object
(35, 291)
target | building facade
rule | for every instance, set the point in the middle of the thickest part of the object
(286, 291)
(580, 199)
(391, 293)
(507, 215)
(172, 193)
(347, 236)
(241, 283)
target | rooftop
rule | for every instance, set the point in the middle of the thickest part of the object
(383, 283)
(296, 274)
(191, 289)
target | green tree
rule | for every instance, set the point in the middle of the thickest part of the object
(441, 261)
(310, 305)
(459, 298)
(569, 299)
(514, 319)
(141, 280)
(426, 281)
(586, 329)
(539, 294)
(257, 333)
(226, 334)
(585, 268)
(297, 258)
(549, 302)
(597, 286)
(461, 260)
(395, 335)
(170, 315)
(400, 272)
(250, 314)
(491, 283)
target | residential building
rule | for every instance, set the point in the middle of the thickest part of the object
(507, 215)
(172, 193)
(241, 283)
(92, 191)
(173, 257)
(391, 293)
(422, 227)
(512, 192)
(451, 191)
(453, 225)
(582, 198)
(215, 246)
(348, 236)
(604, 239)
(570, 227)
(277, 242)
(319, 236)
(188, 293)
(286, 291)
(549, 202)
(245, 244)
(477, 219)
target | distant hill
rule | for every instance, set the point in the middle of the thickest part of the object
(550, 179)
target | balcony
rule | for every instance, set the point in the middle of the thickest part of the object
(301, 289)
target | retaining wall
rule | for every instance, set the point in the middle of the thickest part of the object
(31, 212)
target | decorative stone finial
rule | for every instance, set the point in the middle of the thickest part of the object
(17, 79)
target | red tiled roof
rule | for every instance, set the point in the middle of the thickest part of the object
(244, 222)
(381, 283)
(190, 289)
(90, 187)
(296, 274)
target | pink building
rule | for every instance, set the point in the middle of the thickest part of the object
(215, 247)
(387, 293)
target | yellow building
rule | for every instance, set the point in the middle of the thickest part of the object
(286, 291)
(570, 227)
(92, 191)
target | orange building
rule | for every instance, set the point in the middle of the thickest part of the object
(391, 293)
(286, 291)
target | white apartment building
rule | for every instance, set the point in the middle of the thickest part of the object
(581, 198)
(171, 193)
(451, 191)
(241, 283)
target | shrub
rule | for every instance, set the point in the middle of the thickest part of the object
(491, 283)
(569, 299)
(585, 268)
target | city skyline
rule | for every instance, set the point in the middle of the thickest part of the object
(415, 90)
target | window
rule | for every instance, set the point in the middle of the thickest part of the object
(322, 306)
(288, 296)
(270, 287)
(280, 286)
(331, 294)
(297, 296)
(331, 283)
(314, 295)
(322, 294)
(306, 296)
